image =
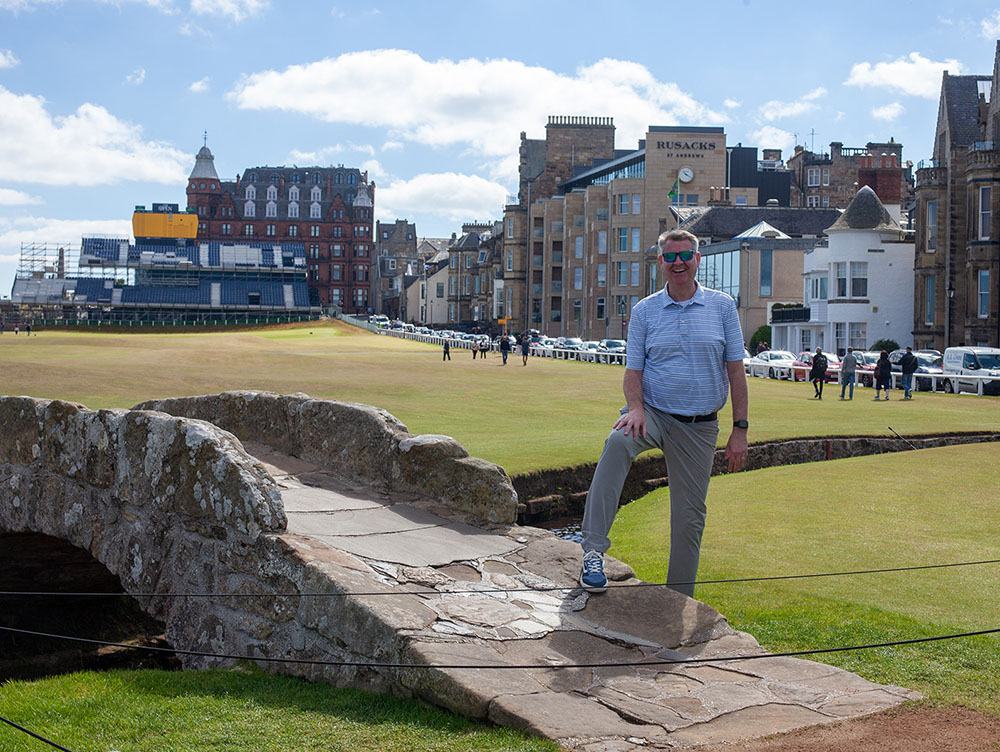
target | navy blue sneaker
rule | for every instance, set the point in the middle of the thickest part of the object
(592, 578)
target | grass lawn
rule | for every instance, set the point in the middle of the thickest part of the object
(548, 414)
(930, 506)
(153, 711)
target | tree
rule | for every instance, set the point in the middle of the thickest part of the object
(763, 334)
(885, 344)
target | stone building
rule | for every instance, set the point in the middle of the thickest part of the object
(472, 277)
(329, 210)
(831, 179)
(395, 251)
(957, 230)
(576, 239)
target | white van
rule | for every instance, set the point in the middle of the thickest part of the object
(971, 361)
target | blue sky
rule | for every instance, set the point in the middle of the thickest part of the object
(103, 103)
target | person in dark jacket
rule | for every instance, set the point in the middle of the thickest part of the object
(504, 348)
(908, 365)
(883, 374)
(446, 351)
(817, 374)
(525, 349)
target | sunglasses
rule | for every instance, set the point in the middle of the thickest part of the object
(672, 257)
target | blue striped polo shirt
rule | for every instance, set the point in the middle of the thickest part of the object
(682, 349)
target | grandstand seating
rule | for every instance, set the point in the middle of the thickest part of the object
(93, 289)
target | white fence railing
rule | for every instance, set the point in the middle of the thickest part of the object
(938, 382)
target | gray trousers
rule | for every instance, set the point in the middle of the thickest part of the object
(688, 450)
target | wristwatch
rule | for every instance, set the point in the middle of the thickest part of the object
(741, 424)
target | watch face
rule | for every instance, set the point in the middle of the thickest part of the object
(686, 174)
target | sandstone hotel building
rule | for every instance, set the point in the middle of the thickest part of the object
(577, 238)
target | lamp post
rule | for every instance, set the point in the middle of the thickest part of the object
(621, 312)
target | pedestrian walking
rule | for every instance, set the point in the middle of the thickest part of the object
(883, 374)
(848, 372)
(504, 348)
(674, 387)
(484, 347)
(446, 350)
(908, 365)
(525, 349)
(475, 349)
(817, 374)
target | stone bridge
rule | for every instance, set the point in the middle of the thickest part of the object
(332, 534)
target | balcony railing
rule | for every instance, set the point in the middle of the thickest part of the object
(983, 146)
(983, 158)
(930, 176)
(789, 315)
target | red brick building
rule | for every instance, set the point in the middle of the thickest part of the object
(328, 210)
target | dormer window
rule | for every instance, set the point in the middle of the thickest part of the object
(271, 210)
(296, 178)
(251, 193)
(293, 193)
(339, 178)
(252, 178)
(317, 178)
(315, 211)
(274, 177)
(315, 194)
(272, 193)
(352, 179)
(293, 209)
(249, 210)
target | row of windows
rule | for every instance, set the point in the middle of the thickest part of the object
(316, 178)
(816, 176)
(814, 202)
(625, 200)
(315, 211)
(850, 281)
(629, 239)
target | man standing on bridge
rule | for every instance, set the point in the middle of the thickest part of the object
(685, 353)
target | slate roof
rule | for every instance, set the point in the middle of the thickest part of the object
(730, 221)
(961, 96)
(865, 212)
(204, 165)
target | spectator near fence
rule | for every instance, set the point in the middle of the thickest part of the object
(848, 372)
(908, 365)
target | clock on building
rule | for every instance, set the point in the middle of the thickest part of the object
(685, 174)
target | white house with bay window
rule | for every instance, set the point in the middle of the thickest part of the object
(858, 289)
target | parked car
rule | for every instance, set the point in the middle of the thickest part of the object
(971, 361)
(611, 346)
(547, 342)
(746, 360)
(926, 363)
(866, 366)
(570, 343)
(804, 360)
(773, 364)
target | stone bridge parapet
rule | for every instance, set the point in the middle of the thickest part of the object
(358, 442)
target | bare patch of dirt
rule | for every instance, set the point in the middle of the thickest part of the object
(914, 728)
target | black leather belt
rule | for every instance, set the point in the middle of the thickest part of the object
(694, 418)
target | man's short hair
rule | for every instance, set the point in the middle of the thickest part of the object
(850, 349)
(909, 349)
(676, 235)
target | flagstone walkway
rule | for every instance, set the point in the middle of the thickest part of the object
(486, 598)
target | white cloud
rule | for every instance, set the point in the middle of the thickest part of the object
(13, 232)
(888, 112)
(237, 10)
(10, 197)
(392, 146)
(374, 169)
(769, 137)
(454, 197)
(732, 104)
(200, 86)
(136, 77)
(363, 148)
(990, 27)
(776, 109)
(482, 104)
(914, 75)
(7, 59)
(89, 147)
(317, 157)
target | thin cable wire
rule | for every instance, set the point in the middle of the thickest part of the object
(32, 733)
(506, 666)
(544, 588)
